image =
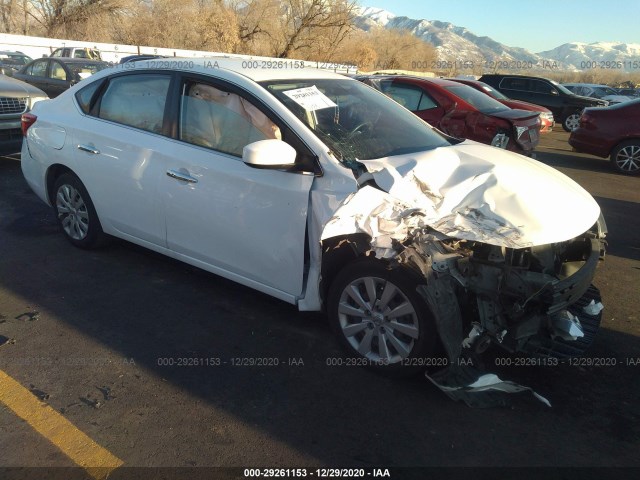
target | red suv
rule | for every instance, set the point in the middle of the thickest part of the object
(461, 111)
(546, 115)
(611, 132)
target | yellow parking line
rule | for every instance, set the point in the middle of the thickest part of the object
(84, 452)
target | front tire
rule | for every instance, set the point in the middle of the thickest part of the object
(625, 157)
(380, 319)
(75, 212)
(571, 122)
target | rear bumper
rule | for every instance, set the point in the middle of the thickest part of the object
(586, 142)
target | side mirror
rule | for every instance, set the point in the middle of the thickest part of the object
(554, 92)
(269, 153)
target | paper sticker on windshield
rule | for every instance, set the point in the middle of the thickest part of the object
(310, 98)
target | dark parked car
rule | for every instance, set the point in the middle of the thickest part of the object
(546, 116)
(461, 111)
(11, 62)
(629, 92)
(16, 98)
(55, 75)
(611, 132)
(565, 105)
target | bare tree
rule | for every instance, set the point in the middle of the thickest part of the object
(310, 29)
(66, 17)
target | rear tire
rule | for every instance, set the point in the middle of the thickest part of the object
(625, 157)
(76, 214)
(380, 319)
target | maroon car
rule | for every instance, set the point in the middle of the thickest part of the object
(546, 115)
(611, 132)
(461, 111)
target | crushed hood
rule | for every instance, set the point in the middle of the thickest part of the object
(469, 191)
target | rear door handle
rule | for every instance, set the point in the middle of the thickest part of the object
(89, 149)
(181, 176)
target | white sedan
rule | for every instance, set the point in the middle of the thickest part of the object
(320, 191)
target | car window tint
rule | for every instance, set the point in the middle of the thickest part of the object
(57, 72)
(85, 95)
(213, 118)
(541, 87)
(136, 100)
(39, 69)
(408, 97)
(513, 83)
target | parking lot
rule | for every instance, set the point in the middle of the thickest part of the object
(148, 362)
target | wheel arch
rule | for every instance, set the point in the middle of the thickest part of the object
(337, 252)
(53, 172)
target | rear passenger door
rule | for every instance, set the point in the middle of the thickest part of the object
(119, 149)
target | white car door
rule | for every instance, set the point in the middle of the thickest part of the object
(243, 222)
(117, 150)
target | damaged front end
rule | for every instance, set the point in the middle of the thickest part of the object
(500, 265)
(537, 300)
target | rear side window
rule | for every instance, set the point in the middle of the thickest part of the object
(136, 100)
(513, 83)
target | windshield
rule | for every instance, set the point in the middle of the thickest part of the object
(483, 102)
(354, 120)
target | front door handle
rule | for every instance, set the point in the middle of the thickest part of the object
(89, 149)
(181, 176)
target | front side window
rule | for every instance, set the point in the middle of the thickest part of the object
(57, 72)
(542, 87)
(353, 120)
(136, 100)
(214, 118)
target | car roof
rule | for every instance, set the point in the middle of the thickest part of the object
(243, 66)
(437, 81)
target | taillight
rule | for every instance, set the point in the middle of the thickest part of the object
(27, 120)
(585, 120)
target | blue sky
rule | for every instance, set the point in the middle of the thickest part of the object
(535, 25)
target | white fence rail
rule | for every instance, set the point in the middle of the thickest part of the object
(37, 47)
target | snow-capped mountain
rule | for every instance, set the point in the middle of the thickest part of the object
(609, 55)
(454, 43)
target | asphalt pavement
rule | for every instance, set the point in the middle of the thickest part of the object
(143, 361)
